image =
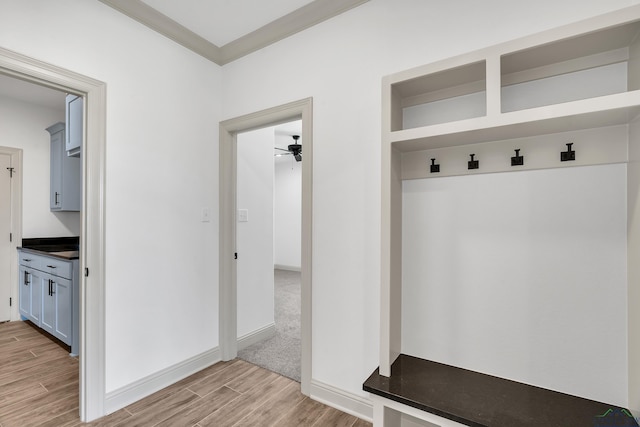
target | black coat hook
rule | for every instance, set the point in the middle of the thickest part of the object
(569, 155)
(434, 168)
(517, 160)
(473, 164)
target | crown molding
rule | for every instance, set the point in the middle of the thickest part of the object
(166, 26)
(294, 22)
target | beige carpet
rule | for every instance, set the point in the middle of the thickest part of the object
(281, 353)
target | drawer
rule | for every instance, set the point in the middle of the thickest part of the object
(56, 267)
(30, 260)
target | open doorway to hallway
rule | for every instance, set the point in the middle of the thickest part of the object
(231, 253)
(269, 190)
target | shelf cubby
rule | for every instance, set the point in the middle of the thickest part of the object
(443, 96)
(592, 65)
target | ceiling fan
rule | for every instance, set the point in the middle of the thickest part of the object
(294, 149)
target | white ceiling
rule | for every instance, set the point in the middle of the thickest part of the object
(222, 21)
(225, 30)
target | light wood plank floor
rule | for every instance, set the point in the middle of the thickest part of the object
(39, 387)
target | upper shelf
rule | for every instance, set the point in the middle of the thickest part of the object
(575, 77)
(590, 113)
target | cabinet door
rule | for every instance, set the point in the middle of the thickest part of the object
(30, 304)
(66, 178)
(24, 296)
(73, 139)
(48, 320)
(63, 297)
(36, 296)
(57, 151)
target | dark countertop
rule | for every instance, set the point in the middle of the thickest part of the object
(67, 255)
(476, 399)
(59, 247)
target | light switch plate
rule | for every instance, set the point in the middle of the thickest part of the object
(206, 215)
(243, 215)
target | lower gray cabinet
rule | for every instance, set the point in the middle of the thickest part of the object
(30, 297)
(57, 297)
(49, 295)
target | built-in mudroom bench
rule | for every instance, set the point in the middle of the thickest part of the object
(49, 294)
(449, 396)
(510, 225)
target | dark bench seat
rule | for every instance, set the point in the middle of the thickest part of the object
(476, 399)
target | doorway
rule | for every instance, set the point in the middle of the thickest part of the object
(92, 236)
(229, 129)
(268, 238)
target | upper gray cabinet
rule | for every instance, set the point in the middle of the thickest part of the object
(73, 134)
(65, 173)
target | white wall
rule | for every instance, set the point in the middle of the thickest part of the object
(287, 199)
(340, 63)
(254, 238)
(520, 275)
(23, 125)
(161, 170)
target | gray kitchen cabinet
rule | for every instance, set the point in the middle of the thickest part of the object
(73, 132)
(65, 183)
(49, 295)
(30, 295)
(57, 299)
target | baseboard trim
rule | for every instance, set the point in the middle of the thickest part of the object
(256, 336)
(357, 406)
(118, 399)
(286, 267)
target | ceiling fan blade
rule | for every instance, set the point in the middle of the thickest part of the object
(282, 154)
(281, 149)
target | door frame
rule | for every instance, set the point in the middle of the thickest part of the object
(302, 109)
(92, 238)
(15, 155)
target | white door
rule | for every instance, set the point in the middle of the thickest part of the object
(5, 230)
